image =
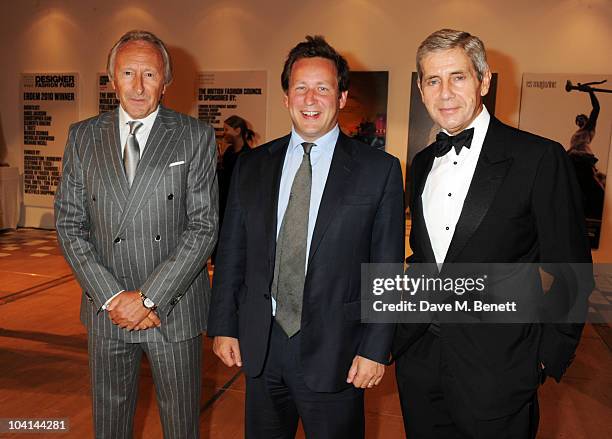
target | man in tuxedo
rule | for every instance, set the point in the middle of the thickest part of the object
(136, 217)
(485, 193)
(304, 212)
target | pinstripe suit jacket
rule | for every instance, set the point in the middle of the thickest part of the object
(155, 236)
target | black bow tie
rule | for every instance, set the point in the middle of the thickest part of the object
(444, 142)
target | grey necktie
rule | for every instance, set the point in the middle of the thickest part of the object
(289, 265)
(131, 152)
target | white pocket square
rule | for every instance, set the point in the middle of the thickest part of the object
(176, 163)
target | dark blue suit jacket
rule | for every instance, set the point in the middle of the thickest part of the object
(360, 220)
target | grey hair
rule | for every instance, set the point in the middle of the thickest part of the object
(140, 35)
(446, 39)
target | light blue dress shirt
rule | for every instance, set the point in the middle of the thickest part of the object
(320, 160)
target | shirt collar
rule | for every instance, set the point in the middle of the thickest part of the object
(147, 122)
(481, 123)
(327, 142)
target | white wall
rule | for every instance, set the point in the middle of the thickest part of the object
(559, 36)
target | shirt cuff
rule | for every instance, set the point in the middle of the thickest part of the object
(109, 300)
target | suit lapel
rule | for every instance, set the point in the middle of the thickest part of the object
(108, 156)
(419, 228)
(491, 169)
(166, 131)
(335, 188)
(271, 175)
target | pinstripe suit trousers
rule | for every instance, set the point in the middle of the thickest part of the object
(115, 369)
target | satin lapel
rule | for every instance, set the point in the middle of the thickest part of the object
(491, 169)
(419, 228)
(271, 170)
(107, 152)
(158, 153)
(335, 188)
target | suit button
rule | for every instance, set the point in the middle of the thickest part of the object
(158, 238)
(170, 196)
(117, 240)
(93, 198)
(266, 296)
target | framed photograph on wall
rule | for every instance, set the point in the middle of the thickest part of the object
(365, 115)
(575, 110)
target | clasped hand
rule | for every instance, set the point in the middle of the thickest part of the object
(128, 312)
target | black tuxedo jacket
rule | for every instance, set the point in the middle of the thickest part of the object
(360, 220)
(523, 205)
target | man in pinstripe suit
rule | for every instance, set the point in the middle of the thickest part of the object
(136, 217)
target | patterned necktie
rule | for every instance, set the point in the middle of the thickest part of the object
(131, 152)
(444, 142)
(290, 262)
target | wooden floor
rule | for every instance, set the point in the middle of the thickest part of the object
(44, 371)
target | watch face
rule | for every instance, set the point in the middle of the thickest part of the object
(148, 303)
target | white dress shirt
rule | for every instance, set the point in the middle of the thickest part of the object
(447, 185)
(320, 160)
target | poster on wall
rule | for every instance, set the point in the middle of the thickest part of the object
(107, 100)
(574, 110)
(422, 129)
(221, 94)
(49, 107)
(365, 115)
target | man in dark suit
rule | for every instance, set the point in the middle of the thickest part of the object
(486, 193)
(136, 217)
(304, 212)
